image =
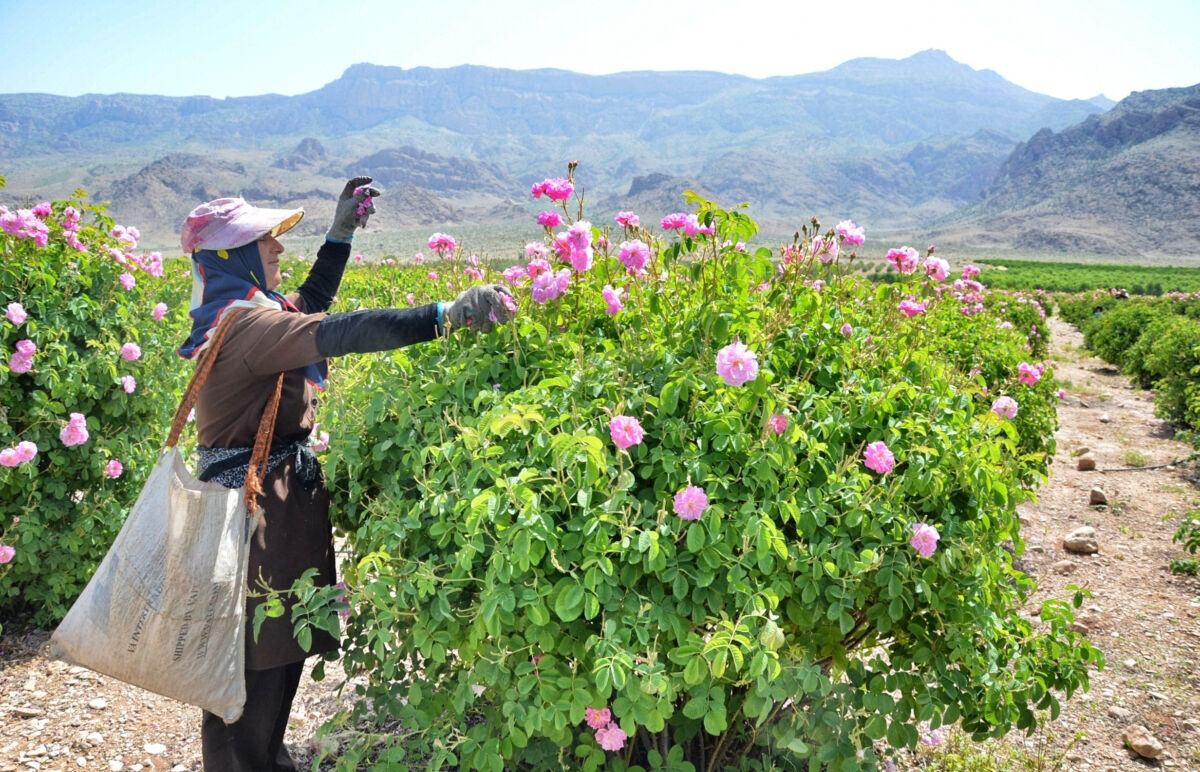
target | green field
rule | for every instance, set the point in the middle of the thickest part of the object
(1077, 277)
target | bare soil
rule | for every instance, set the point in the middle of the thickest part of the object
(1145, 620)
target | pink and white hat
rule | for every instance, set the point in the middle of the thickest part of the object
(227, 223)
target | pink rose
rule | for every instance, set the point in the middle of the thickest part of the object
(878, 458)
(691, 502)
(15, 313)
(611, 738)
(131, 352)
(625, 431)
(737, 364)
(75, 432)
(114, 468)
(851, 234)
(128, 383)
(778, 423)
(159, 311)
(7, 553)
(549, 219)
(627, 219)
(924, 539)
(1005, 407)
(597, 719)
(634, 255)
(613, 298)
(26, 450)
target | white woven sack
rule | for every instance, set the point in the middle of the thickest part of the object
(166, 608)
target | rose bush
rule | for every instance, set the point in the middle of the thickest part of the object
(70, 393)
(664, 515)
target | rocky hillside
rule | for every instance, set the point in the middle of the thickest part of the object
(1125, 182)
(893, 143)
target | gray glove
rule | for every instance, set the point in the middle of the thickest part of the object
(352, 210)
(479, 308)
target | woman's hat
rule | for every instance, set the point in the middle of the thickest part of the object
(227, 223)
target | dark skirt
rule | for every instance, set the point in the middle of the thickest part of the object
(294, 535)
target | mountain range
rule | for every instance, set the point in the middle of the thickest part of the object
(918, 145)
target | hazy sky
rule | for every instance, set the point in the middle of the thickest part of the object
(1065, 48)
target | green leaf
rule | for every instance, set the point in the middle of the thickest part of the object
(569, 603)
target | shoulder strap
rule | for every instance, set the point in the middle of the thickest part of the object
(199, 376)
(266, 426)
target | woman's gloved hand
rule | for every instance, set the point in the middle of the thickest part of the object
(353, 208)
(481, 308)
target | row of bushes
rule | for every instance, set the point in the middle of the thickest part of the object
(1154, 341)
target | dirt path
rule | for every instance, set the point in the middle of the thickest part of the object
(1146, 621)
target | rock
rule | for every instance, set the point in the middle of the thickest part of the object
(29, 712)
(93, 739)
(1191, 724)
(1082, 540)
(38, 751)
(116, 765)
(154, 749)
(98, 704)
(1119, 713)
(1096, 497)
(1104, 418)
(1142, 742)
(1064, 567)
(1130, 663)
(1083, 404)
(1078, 627)
(1080, 451)
(1086, 463)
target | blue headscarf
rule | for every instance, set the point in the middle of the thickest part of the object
(233, 278)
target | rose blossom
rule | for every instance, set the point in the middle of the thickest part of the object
(131, 352)
(159, 311)
(611, 738)
(778, 423)
(549, 219)
(1005, 407)
(128, 383)
(75, 432)
(625, 431)
(691, 502)
(737, 364)
(634, 255)
(114, 468)
(15, 313)
(442, 243)
(7, 553)
(627, 219)
(905, 259)
(936, 268)
(613, 298)
(597, 719)
(924, 539)
(878, 458)
(911, 308)
(851, 234)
